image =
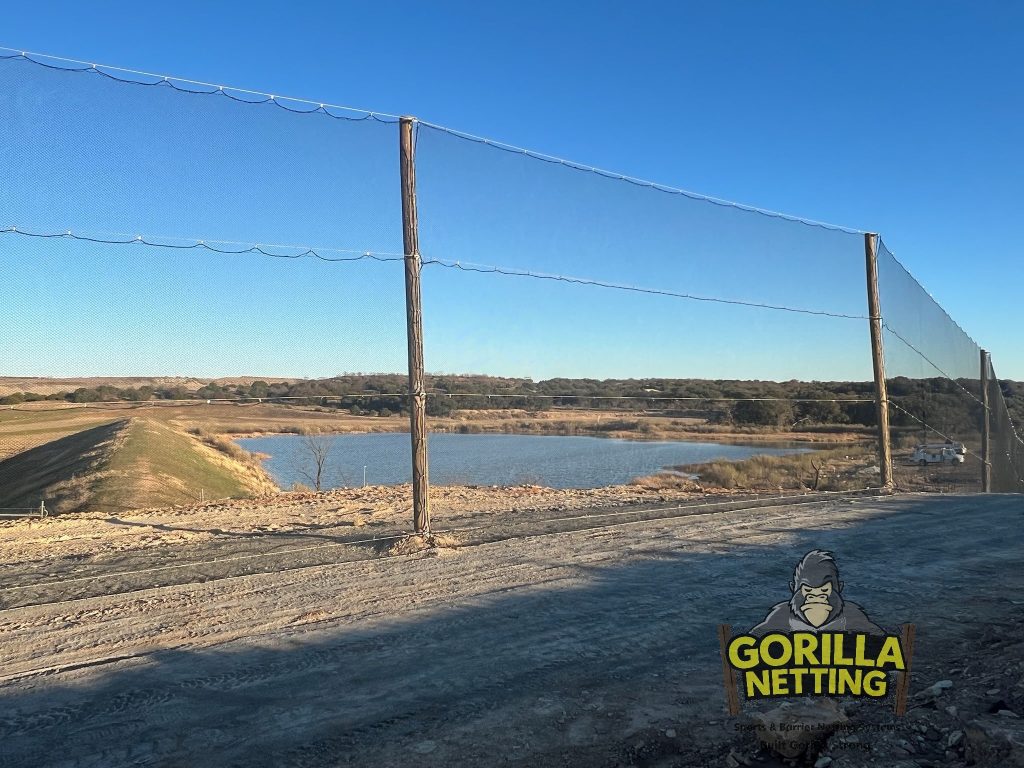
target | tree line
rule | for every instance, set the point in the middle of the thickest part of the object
(938, 401)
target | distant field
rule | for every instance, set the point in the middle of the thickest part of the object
(45, 385)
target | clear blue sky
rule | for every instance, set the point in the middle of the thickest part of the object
(898, 118)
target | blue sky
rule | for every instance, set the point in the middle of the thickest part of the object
(899, 118)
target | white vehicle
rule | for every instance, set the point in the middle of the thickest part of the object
(936, 454)
(958, 447)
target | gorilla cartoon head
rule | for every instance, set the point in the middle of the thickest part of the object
(817, 590)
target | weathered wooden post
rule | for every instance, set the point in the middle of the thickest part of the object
(732, 700)
(878, 361)
(986, 465)
(414, 328)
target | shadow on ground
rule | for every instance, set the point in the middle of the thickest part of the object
(537, 675)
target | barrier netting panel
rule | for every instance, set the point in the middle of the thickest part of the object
(562, 300)
(1006, 449)
(933, 373)
(155, 228)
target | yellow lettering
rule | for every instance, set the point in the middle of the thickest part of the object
(742, 653)
(759, 681)
(798, 680)
(891, 653)
(780, 685)
(818, 672)
(838, 658)
(805, 646)
(875, 683)
(849, 682)
(785, 650)
(860, 659)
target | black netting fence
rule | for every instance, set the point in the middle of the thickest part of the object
(241, 255)
(237, 259)
(600, 305)
(1006, 450)
(933, 372)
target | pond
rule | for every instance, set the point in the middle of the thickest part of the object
(490, 459)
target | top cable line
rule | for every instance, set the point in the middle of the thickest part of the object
(640, 182)
(927, 293)
(106, 70)
(323, 107)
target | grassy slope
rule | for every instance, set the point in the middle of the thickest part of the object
(132, 463)
(155, 465)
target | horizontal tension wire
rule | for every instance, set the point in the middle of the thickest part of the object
(384, 117)
(457, 265)
(307, 253)
(172, 82)
(510, 272)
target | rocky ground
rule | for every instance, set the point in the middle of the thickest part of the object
(562, 636)
(966, 710)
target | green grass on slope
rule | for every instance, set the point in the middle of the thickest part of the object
(155, 465)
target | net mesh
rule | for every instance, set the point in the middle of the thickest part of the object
(597, 305)
(1006, 452)
(154, 228)
(264, 249)
(933, 373)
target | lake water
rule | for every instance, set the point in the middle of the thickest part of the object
(499, 459)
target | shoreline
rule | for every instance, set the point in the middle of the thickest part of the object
(743, 439)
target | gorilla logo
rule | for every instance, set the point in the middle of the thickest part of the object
(817, 603)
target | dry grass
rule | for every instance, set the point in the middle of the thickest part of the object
(666, 481)
(633, 426)
(836, 469)
(227, 447)
(414, 543)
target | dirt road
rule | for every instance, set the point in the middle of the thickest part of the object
(584, 647)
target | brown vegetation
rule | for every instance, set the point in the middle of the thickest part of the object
(837, 469)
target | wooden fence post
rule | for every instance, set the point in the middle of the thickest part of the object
(907, 634)
(986, 426)
(878, 361)
(732, 700)
(414, 327)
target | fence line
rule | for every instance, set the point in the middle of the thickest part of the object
(169, 81)
(702, 251)
(133, 240)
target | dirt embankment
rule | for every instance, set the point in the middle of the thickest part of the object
(127, 464)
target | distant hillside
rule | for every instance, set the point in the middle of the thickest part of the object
(766, 403)
(128, 464)
(47, 385)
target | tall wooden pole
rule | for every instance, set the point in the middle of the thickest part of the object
(878, 361)
(414, 326)
(986, 466)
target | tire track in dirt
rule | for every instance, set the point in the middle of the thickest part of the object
(587, 606)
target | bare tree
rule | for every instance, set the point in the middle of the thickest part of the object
(315, 449)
